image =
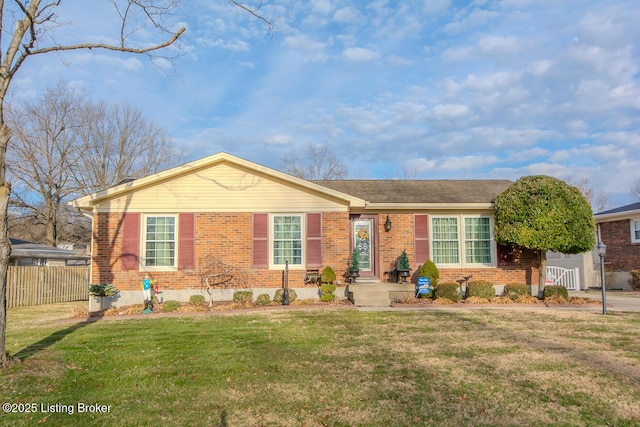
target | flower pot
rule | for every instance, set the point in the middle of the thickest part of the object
(404, 274)
(353, 274)
(95, 303)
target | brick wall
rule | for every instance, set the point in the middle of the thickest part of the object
(228, 236)
(622, 255)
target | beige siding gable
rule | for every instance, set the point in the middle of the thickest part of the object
(222, 188)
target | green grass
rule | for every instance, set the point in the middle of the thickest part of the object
(333, 367)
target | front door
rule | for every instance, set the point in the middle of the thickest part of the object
(364, 239)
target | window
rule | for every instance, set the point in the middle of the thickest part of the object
(160, 241)
(635, 231)
(477, 240)
(462, 240)
(445, 241)
(287, 240)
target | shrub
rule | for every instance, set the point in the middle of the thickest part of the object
(449, 291)
(481, 290)
(327, 297)
(328, 275)
(514, 290)
(243, 297)
(555, 291)
(196, 299)
(429, 269)
(170, 306)
(403, 261)
(327, 288)
(278, 296)
(263, 299)
(102, 290)
(355, 260)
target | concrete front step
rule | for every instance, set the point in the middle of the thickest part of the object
(378, 294)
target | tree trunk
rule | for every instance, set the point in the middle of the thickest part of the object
(5, 245)
(543, 272)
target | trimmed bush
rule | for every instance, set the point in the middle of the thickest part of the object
(327, 297)
(263, 299)
(555, 291)
(327, 288)
(429, 269)
(243, 297)
(102, 290)
(328, 275)
(170, 306)
(514, 290)
(481, 290)
(196, 299)
(449, 291)
(278, 296)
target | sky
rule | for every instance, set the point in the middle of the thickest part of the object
(425, 89)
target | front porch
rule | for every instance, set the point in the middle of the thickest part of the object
(374, 293)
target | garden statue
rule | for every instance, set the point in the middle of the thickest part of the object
(147, 294)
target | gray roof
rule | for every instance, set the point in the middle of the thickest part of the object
(25, 249)
(621, 209)
(420, 191)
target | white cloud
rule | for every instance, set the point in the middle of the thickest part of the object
(304, 43)
(450, 111)
(436, 7)
(499, 45)
(346, 15)
(359, 54)
(233, 45)
(321, 6)
(279, 139)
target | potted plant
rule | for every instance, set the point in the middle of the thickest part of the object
(354, 267)
(403, 266)
(96, 294)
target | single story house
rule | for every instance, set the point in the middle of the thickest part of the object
(619, 229)
(256, 218)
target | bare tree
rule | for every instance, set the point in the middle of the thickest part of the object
(45, 148)
(215, 273)
(119, 143)
(635, 190)
(317, 161)
(30, 26)
(65, 147)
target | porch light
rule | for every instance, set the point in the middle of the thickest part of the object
(387, 224)
(601, 249)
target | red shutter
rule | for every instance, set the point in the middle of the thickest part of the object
(187, 241)
(130, 256)
(421, 236)
(314, 240)
(260, 238)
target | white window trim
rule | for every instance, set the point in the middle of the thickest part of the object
(303, 234)
(633, 229)
(462, 242)
(143, 243)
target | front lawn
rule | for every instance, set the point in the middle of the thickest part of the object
(325, 366)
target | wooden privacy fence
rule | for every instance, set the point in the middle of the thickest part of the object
(35, 285)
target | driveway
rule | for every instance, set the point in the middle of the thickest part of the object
(616, 300)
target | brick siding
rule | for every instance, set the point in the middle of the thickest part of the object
(229, 237)
(622, 255)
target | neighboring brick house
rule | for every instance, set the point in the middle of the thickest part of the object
(619, 229)
(255, 217)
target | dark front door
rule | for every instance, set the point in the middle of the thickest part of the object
(363, 235)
